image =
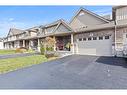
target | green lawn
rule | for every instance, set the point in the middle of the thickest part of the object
(7, 65)
(7, 52)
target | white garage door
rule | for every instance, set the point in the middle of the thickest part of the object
(100, 46)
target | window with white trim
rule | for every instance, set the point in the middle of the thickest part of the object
(101, 38)
(80, 39)
(89, 38)
(84, 39)
(94, 38)
(106, 37)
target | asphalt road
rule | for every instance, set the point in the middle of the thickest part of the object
(72, 72)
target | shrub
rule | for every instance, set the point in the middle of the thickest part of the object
(31, 51)
(49, 48)
(49, 55)
(23, 48)
(42, 49)
(20, 50)
(68, 45)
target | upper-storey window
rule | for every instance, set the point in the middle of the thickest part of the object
(41, 32)
(82, 13)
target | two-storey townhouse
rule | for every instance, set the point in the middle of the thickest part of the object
(12, 39)
(96, 35)
(1, 43)
(60, 31)
(30, 40)
(120, 19)
(88, 33)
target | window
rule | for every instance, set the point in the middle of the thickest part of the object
(106, 37)
(94, 38)
(84, 39)
(101, 38)
(89, 38)
(80, 39)
(81, 14)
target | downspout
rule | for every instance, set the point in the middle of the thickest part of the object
(115, 39)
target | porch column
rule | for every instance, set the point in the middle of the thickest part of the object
(7, 45)
(30, 44)
(38, 45)
(72, 43)
(18, 44)
(23, 43)
(11, 45)
(55, 43)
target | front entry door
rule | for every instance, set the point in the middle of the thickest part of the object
(60, 45)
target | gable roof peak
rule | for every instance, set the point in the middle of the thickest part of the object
(15, 31)
(92, 13)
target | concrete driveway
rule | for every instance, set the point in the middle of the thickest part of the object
(72, 72)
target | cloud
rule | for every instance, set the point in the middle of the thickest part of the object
(11, 19)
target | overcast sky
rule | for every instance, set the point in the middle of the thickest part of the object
(24, 17)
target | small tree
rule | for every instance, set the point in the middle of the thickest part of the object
(47, 44)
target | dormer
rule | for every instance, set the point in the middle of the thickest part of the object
(32, 31)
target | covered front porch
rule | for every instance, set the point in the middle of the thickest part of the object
(64, 43)
(30, 44)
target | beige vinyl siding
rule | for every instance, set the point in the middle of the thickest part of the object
(33, 33)
(62, 28)
(50, 29)
(85, 19)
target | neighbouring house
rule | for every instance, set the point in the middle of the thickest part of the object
(1, 43)
(88, 34)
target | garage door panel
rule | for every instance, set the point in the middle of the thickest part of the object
(95, 47)
(89, 51)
